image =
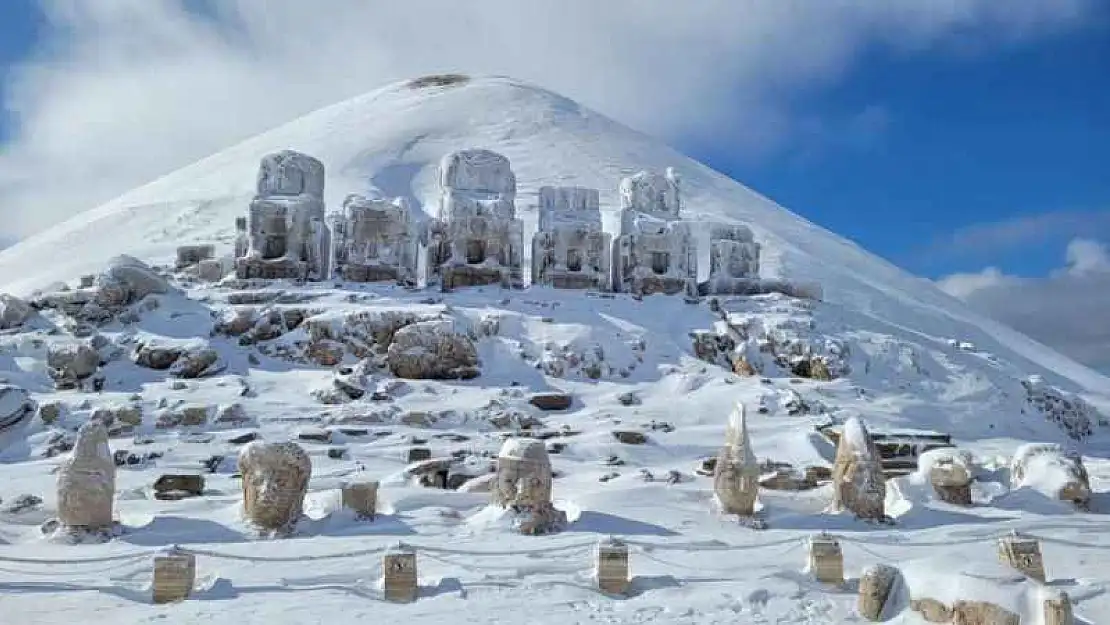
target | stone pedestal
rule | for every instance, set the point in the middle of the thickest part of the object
(875, 586)
(174, 576)
(399, 575)
(1023, 554)
(826, 560)
(361, 497)
(1057, 610)
(612, 567)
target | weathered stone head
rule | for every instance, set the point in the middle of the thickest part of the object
(736, 476)
(87, 480)
(478, 171)
(290, 173)
(275, 480)
(524, 486)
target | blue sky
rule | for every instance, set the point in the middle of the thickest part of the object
(965, 140)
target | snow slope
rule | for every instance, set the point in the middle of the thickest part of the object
(914, 359)
(393, 138)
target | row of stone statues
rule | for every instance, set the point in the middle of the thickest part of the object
(476, 238)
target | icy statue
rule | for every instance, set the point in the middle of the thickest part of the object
(656, 251)
(477, 238)
(524, 487)
(286, 236)
(275, 479)
(736, 477)
(87, 482)
(858, 483)
(375, 240)
(570, 251)
(733, 260)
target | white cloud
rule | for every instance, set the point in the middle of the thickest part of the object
(1065, 310)
(125, 90)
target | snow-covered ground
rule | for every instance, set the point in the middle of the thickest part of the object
(908, 359)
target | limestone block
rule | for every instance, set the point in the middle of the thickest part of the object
(1058, 610)
(826, 560)
(736, 475)
(361, 497)
(275, 479)
(1023, 554)
(87, 481)
(524, 482)
(612, 567)
(399, 575)
(858, 482)
(949, 473)
(875, 586)
(174, 577)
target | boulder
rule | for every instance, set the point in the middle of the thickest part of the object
(275, 480)
(629, 437)
(949, 473)
(1047, 468)
(432, 350)
(174, 487)
(16, 407)
(195, 363)
(524, 482)
(157, 357)
(551, 401)
(128, 280)
(14, 312)
(87, 481)
(71, 362)
(858, 482)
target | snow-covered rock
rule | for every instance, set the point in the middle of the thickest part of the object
(374, 240)
(275, 480)
(16, 407)
(858, 482)
(432, 350)
(571, 250)
(1048, 469)
(128, 280)
(71, 362)
(13, 312)
(87, 481)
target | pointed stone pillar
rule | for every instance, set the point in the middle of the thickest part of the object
(858, 482)
(736, 477)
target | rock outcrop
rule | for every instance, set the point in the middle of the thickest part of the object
(432, 350)
(275, 480)
(87, 482)
(524, 481)
(858, 482)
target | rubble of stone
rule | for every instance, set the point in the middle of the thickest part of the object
(524, 482)
(476, 239)
(1049, 469)
(87, 482)
(125, 281)
(1069, 411)
(189, 255)
(432, 350)
(571, 250)
(71, 363)
(14, 312)
(286, 233)
(374, 240)
(275, 480)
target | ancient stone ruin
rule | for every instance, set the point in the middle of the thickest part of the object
(87, 482)
(736, 476)
(374, 240)
(477, 239)
(655, 251)
(524, 481)
(571, 250)
(286, 234)
(858, 483)
(275, 480)
(733, 260)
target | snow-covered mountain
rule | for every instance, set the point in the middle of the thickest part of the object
(908, 357)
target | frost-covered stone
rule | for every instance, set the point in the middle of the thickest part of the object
(275, 480)
(949, 471)
(190, 255)
(1069, 411)
(128, 280)
(70, 363)
(1048, 469)
(655, 251)
(432, 350)
(16, 407)
(477, 238)
(375, 241)
(736, 474)
(652, 193)
(571, 250)
(14, 312)
(875, 587)
(524, 482)
(87, 481)
(286, 236)
(858, 483)
(733, 259)
(197, 362)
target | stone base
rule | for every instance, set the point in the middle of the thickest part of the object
(361, 497)
(612, 568)
(371, 273)
(399, 578)
(1058, 611)
(653, 285)
(476, 275)
(174, 576)
(276, 269)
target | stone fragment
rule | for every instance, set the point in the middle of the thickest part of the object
(858, 482)
(275, 480)
(524, 482)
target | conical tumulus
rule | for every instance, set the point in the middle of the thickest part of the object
(858, 482)
(736, 477)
